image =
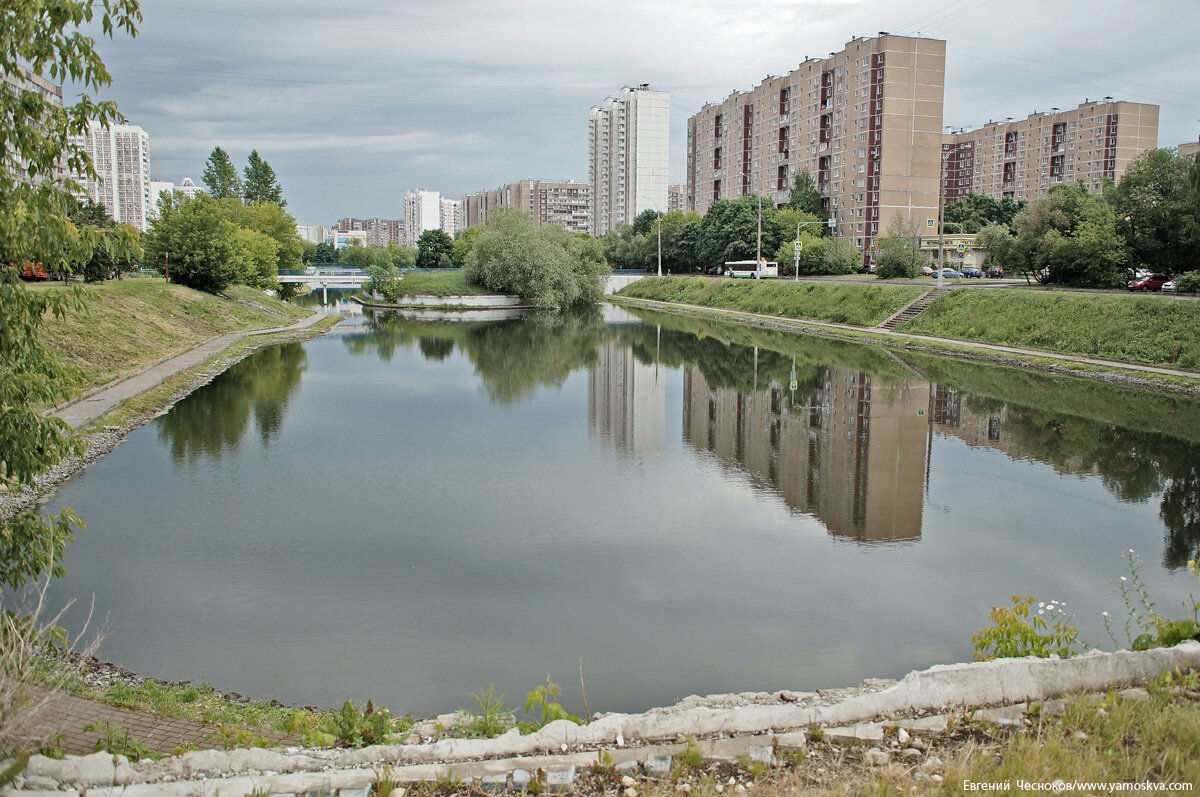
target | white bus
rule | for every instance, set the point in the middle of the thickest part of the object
(751, 268)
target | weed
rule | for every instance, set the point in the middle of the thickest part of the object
(549, 710)
(384, 782)
(689, 760)
(753, 767)
(232, 737)
(1018, 632)
(492, 717)
(815, 733)
(1141, 613)
(352, 727)
(116, 740)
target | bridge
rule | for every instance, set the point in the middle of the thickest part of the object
(325, 277)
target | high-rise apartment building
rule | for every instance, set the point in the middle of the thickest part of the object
(121, 156)
(428, 210)
(380, 232)
(1024, 159)
(1189, 150)
(865, 122)
(676, 197)
(25, 80)
(628, 138)
(566, 203)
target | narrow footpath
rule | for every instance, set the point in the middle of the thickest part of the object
(799, 325)
(95, 404)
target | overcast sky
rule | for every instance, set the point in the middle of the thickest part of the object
(357, 102)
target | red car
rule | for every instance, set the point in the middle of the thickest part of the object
(1150, 282)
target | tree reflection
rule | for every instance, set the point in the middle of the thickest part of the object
(214, 419)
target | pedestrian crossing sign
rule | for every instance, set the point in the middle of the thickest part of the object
(930, 222)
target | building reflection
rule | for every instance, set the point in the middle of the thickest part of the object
(841, 448)
(627, 401)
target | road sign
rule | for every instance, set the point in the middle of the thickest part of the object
(962, 247)
(798, 246)
(930, 222)
(920, 412)
(793, 385)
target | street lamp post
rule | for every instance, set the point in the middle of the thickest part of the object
(659, 225)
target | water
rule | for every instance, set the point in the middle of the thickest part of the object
(411, 511)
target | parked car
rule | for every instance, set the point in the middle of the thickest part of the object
(927, 271)
(994, 273)
(949, 273)
(971, 272)
(1150, 282)
(1169, 287)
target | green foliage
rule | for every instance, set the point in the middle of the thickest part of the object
(368, 258)
(541, 698)
(804, 196)
(116, 740)
(1157, 210)
(898, 251)
(1142, 615)
(384, 783)
(464, 242)
(260, 184)
(1188, 282)
(1069, 237)
(688, 760)
(273, 221)
(15, 767)
(729, 230)
(546, 265)
(116, 248)
(255, 257)
(976, 211)
(1015, 631)
(431, 246)
(354, 727)
(820, 254)
(221, 177)
(492, 718)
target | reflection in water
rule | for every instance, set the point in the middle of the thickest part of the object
(851, 453)
(627, 401)
(214, 420)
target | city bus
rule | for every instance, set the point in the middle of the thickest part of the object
(751, 268)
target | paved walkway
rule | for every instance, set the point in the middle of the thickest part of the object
(96, 404)
(61, 715)
(800, 323)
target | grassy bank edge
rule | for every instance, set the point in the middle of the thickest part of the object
(1132, 377)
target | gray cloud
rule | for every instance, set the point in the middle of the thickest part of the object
(354, 105)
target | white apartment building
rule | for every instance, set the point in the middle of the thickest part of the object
(188, 188)
(121, 156)
(158, 187)
(426, 210)
(628, 139)
(450, 216)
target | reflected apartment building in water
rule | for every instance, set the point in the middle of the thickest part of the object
(848, 451)
(627, 401)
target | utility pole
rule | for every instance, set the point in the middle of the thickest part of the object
(166, 266)
(941, 223)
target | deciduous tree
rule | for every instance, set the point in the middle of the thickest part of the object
(431, 246)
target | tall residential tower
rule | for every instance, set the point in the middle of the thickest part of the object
(628, 139)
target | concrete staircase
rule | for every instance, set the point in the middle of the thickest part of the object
(913, 309)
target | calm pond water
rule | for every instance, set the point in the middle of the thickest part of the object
(409, 511)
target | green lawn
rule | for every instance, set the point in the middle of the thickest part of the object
(128, 324)
(864, 305)
(1128, 328)
(439, 283)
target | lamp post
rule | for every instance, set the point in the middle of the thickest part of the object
(796, 255)
(659, 225)
(758, 247)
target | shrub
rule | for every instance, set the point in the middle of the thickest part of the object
(1188, 282)
(1016, 632)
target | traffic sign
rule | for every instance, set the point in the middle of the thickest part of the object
(930, 222)
(793, 385)
(798, 246)
(962, 247)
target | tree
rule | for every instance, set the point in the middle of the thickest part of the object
(1155, 205)
(116, 248)
(729, 230)
(545, 265)
(272, 220)
(643, 223)
(805, 196)
(221, 177)
(254, 258)
(196, 237)
(463, 241)
(1000, 246)
(431, 246)
(1046, 248)
(401, 256)
(898, 252)
(842, 257)
(975, 211)
(325, 253)
(260, 184)
(35, 202)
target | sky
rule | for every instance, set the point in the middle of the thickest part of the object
(357, 102)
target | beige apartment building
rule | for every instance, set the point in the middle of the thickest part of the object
(1189, 150)
(676, 197)
(566, 203)
(380, 232)
(25, 80)
(865, 122)
(1025, 158)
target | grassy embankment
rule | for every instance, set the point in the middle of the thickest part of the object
(439, 283)
(862, 305)
(1140, 329)
(127, 325)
